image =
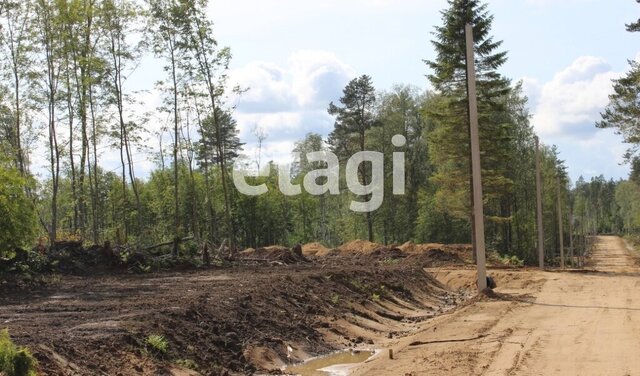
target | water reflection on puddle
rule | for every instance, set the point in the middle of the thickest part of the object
(337, 364)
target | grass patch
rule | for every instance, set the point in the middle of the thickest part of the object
(157, 344)
(14, 360)
(359, 286)
(187, 363)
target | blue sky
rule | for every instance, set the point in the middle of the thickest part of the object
(566, 51)
(295, 56)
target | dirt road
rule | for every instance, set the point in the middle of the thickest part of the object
(538, 323)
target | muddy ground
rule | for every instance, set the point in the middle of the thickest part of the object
(272, 308)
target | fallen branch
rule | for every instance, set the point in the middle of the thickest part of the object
(222, 246)
(420, 343)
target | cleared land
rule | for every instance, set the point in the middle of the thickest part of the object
(275, 307)
(242, 319)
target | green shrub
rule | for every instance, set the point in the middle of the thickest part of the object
(14, 360)
(17, 216)
(512, 260)
(157, 343)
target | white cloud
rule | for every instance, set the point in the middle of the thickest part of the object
(565, 111)
(288, 101)
(278, 151)
(280, 122)
(570, 104)
(267, 87)
(601, 154)
(311, 79)
(531, 88)
(318, 76)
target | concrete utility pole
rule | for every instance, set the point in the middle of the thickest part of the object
(476, 176)
(571, 256)
(539, 207)
(560, 223)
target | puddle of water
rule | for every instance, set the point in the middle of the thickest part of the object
(337, 364)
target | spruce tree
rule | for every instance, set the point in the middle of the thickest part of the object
(449, 138)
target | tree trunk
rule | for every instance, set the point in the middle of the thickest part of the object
(176, 143)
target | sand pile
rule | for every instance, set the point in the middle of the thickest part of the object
(359, 246)
(315, 249)
(412, 248)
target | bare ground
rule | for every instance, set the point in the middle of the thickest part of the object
(536, 323)
(413, 299)
(239, 320)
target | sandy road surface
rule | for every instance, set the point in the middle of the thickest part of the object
(539, 323)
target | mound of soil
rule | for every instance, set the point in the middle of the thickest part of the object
(411, 248)
(439, 257)
(361, 253)
(315, 249)
(359, 246)
(273, 254)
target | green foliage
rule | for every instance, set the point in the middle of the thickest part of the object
(27, 265)
(623, 111)
(358, 285)
(602, 207)
(225, 134)
(511, 260)
(627, 198)
(399, 112)
(434, 225)
(499, 120)
(354, 118)
(86, 49)
(17, 216)
(264, 219)
(157, 344)
(14, 360)
(187, 363)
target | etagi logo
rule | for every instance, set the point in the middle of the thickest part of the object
(331, 175)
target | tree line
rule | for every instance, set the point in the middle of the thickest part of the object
(613, 206)
(68, 64)
(66, 96)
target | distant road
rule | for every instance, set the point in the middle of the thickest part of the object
(540, 323)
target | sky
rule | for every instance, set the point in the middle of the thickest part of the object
(296, 56)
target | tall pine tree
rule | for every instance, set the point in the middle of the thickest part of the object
(623, 111)
(353, 119)
(449, 139)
